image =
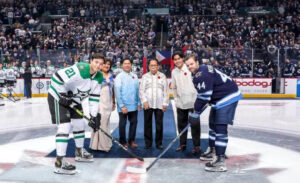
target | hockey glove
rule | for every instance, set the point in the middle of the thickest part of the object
(194, 118)
(65, 100)
(95, 122)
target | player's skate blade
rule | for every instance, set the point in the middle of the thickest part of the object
(216, 169)
(81, 155)
(217, 165)
(65, 172)
(80, 159)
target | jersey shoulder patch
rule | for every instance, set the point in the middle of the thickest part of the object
(98, 77)
(198, 74)
(84, 70)
(210, 69)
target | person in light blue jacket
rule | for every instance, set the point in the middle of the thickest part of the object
(128, 102)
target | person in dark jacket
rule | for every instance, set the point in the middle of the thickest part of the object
(27, 81)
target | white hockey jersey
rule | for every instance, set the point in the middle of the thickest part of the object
(2, 76)
(50, 71)
(78, 79)
(10, 74)
(21, 71)
(36, 71)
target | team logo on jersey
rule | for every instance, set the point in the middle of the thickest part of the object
(158, 77)
(82, 94)
(185, 73)
(198, 74)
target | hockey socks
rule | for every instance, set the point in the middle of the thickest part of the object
(211, 138)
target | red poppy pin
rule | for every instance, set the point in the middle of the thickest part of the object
(185, 73)
(132, 77)
(158, 77)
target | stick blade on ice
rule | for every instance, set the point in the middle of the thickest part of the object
(132, 169)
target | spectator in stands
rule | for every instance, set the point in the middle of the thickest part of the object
(288, 69)
(260, 70)
(297, 70)
(245, 69)
(236, 70)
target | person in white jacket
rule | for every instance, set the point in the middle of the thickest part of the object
(154, 95)
(185, 96)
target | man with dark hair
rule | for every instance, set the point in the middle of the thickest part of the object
(222, 93)
(128, 102)
(184, 95)
(69, 86)
(155, 98)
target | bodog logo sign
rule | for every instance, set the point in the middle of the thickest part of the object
(253, 82)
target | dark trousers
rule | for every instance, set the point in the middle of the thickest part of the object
(28, 89)
(132, 117)
(182, 121)
(159, 115)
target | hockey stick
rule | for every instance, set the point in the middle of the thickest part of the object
(108, 135)
(144, 170)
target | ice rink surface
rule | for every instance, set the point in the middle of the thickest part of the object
(263, 147)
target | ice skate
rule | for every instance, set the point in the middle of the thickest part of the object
(208, 155)
(217, 165)
(82, 155)
(64, 167)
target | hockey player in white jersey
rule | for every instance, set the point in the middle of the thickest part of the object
(10, 74)
(83, 80)
(50, 69)
(22, 69)
(36, 70)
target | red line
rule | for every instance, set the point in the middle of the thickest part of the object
(129, 177)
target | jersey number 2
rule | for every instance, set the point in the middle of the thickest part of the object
(70, 72)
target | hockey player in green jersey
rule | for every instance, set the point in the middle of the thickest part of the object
(82, 80)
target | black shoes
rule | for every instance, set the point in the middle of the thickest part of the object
(159, 147)
(147, 147)
(196, 150)
(181, 148)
